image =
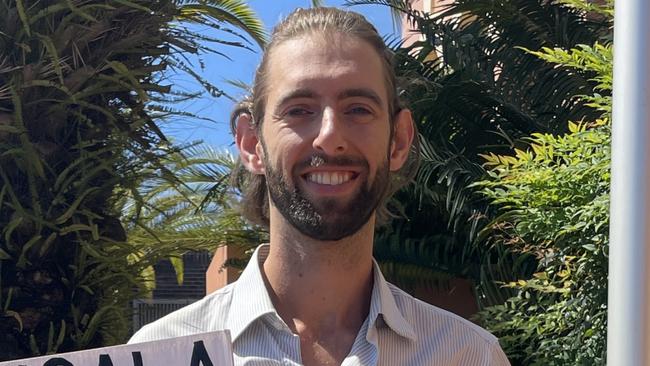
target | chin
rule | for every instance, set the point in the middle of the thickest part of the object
(333, 230)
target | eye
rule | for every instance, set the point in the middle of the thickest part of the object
(359, 110)
(299, 112)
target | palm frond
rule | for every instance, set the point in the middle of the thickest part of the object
(398, 7)
(200, 214)
(236, 12)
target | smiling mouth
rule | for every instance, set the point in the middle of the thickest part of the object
(330, 178)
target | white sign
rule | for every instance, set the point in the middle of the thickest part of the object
(207, 349)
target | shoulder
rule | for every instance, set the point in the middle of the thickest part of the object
(206, 315)
(440, 329)
(427, 317)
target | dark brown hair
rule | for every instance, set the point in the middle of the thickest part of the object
(321, 21)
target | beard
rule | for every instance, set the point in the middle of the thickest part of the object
(328, 219)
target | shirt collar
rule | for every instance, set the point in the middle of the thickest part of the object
(383, 303)
(251, 301)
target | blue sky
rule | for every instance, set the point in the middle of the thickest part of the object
(242, 67)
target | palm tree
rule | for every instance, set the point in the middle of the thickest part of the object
(82, 94)
(198, 212)
(474, 90)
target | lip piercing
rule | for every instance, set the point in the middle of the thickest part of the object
(317, 161)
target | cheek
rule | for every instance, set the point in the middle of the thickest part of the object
(375, 142)
(284, 151)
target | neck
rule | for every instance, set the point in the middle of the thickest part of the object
(319, 285)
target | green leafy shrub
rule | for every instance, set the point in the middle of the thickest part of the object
(554, 202)
(556, 206)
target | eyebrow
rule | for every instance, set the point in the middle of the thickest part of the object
(348, 93)
(296, 94)
(361, 92)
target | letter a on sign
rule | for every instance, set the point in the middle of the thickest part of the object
(208, 349)
(105, 360)
(200, 355)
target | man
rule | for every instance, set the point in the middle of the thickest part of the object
(324, 143)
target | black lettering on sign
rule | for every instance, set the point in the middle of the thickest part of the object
(57, 361)
(137, 358)
(200, 355)
(105, 360)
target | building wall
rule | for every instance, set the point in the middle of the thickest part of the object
(193, 286)
(168, 294)
(218, 275)
(428, 6)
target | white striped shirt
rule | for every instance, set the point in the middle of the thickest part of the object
(399, 329)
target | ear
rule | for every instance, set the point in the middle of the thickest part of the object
(249, 145)
(402, 139)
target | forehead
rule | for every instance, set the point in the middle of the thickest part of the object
(325, 64)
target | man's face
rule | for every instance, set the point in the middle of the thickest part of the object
(325, 135)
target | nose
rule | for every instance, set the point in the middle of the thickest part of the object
(331, 138)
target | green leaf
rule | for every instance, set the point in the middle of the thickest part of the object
(96, 319)
(32, 158)
(179, 268)
(54, 56)
(121, 69)
(10, 129)
(134, 5)
(22, 260)
(47, 243)
(75, 205)
(11, 226)
(79, 12)
(60, 338)
(33, 346)
(16, 316)
(23, 16)
(50, 339)
(236, 12)
(4, 255)
(74, 228)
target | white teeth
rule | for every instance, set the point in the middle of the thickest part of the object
(329, 178)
